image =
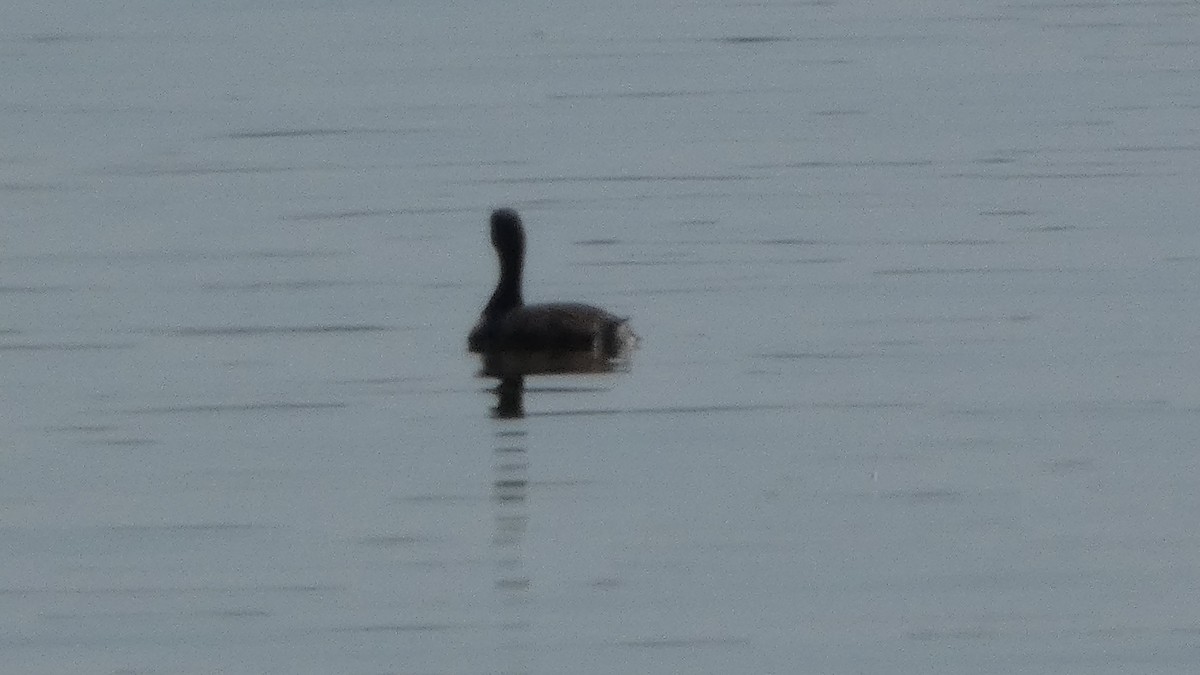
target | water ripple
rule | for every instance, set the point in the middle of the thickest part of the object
(284, 406)
(235, 331)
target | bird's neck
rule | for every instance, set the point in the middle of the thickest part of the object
(507, 295)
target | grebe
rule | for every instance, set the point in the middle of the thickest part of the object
(507, 324)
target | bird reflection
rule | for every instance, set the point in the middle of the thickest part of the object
(510, 495)
(511, 492)
(511, 368)
(510, 398)
(516, 364)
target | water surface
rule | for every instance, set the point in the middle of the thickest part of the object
(916, 286)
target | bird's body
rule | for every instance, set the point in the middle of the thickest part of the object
(552, 327)
(507, 324)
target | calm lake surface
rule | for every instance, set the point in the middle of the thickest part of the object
(916, 285)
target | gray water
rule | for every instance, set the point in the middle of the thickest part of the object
(916, 286)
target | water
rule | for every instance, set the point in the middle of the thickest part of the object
(915, 283)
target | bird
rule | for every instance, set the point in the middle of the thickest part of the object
(507, 324)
